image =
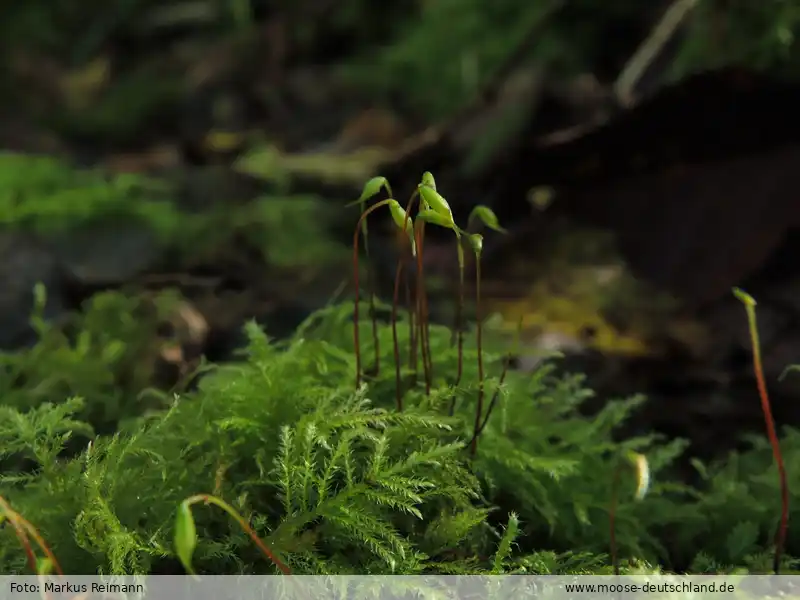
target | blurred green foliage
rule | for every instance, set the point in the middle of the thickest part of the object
(761, 35)
(105, 354)
(77, 32)
(46, 196)
(430, 57)
(449, 48)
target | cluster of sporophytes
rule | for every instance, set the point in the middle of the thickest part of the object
(433, 209)
(322, 478)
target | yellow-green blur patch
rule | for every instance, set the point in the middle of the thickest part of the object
(269, 163)
(581, 286)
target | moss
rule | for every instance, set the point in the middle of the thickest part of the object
(105, 354)
(335, 480)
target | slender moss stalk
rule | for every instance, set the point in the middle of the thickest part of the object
(412, 331)
(479, 342)
(400, 271)
(780, 535)
(458, 330)
(492, 403)
(434, 209)
(22, 529)
(426, 317)
(9, 514)
(398, 215)
(430, 200)
(372, 310)
(485, 215)
(41, 543)
(372, 187)
(459, 325)
(374, 317)
(422, 314)
(356, 286)
(506, 367)
(398, 389)
(414, 231)
(185, 532)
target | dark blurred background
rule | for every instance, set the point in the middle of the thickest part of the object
(643, 156)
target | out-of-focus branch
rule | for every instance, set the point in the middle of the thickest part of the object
(489, 91)
(648, 51)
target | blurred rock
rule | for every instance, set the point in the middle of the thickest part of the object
(110, 251)
(24, 262)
